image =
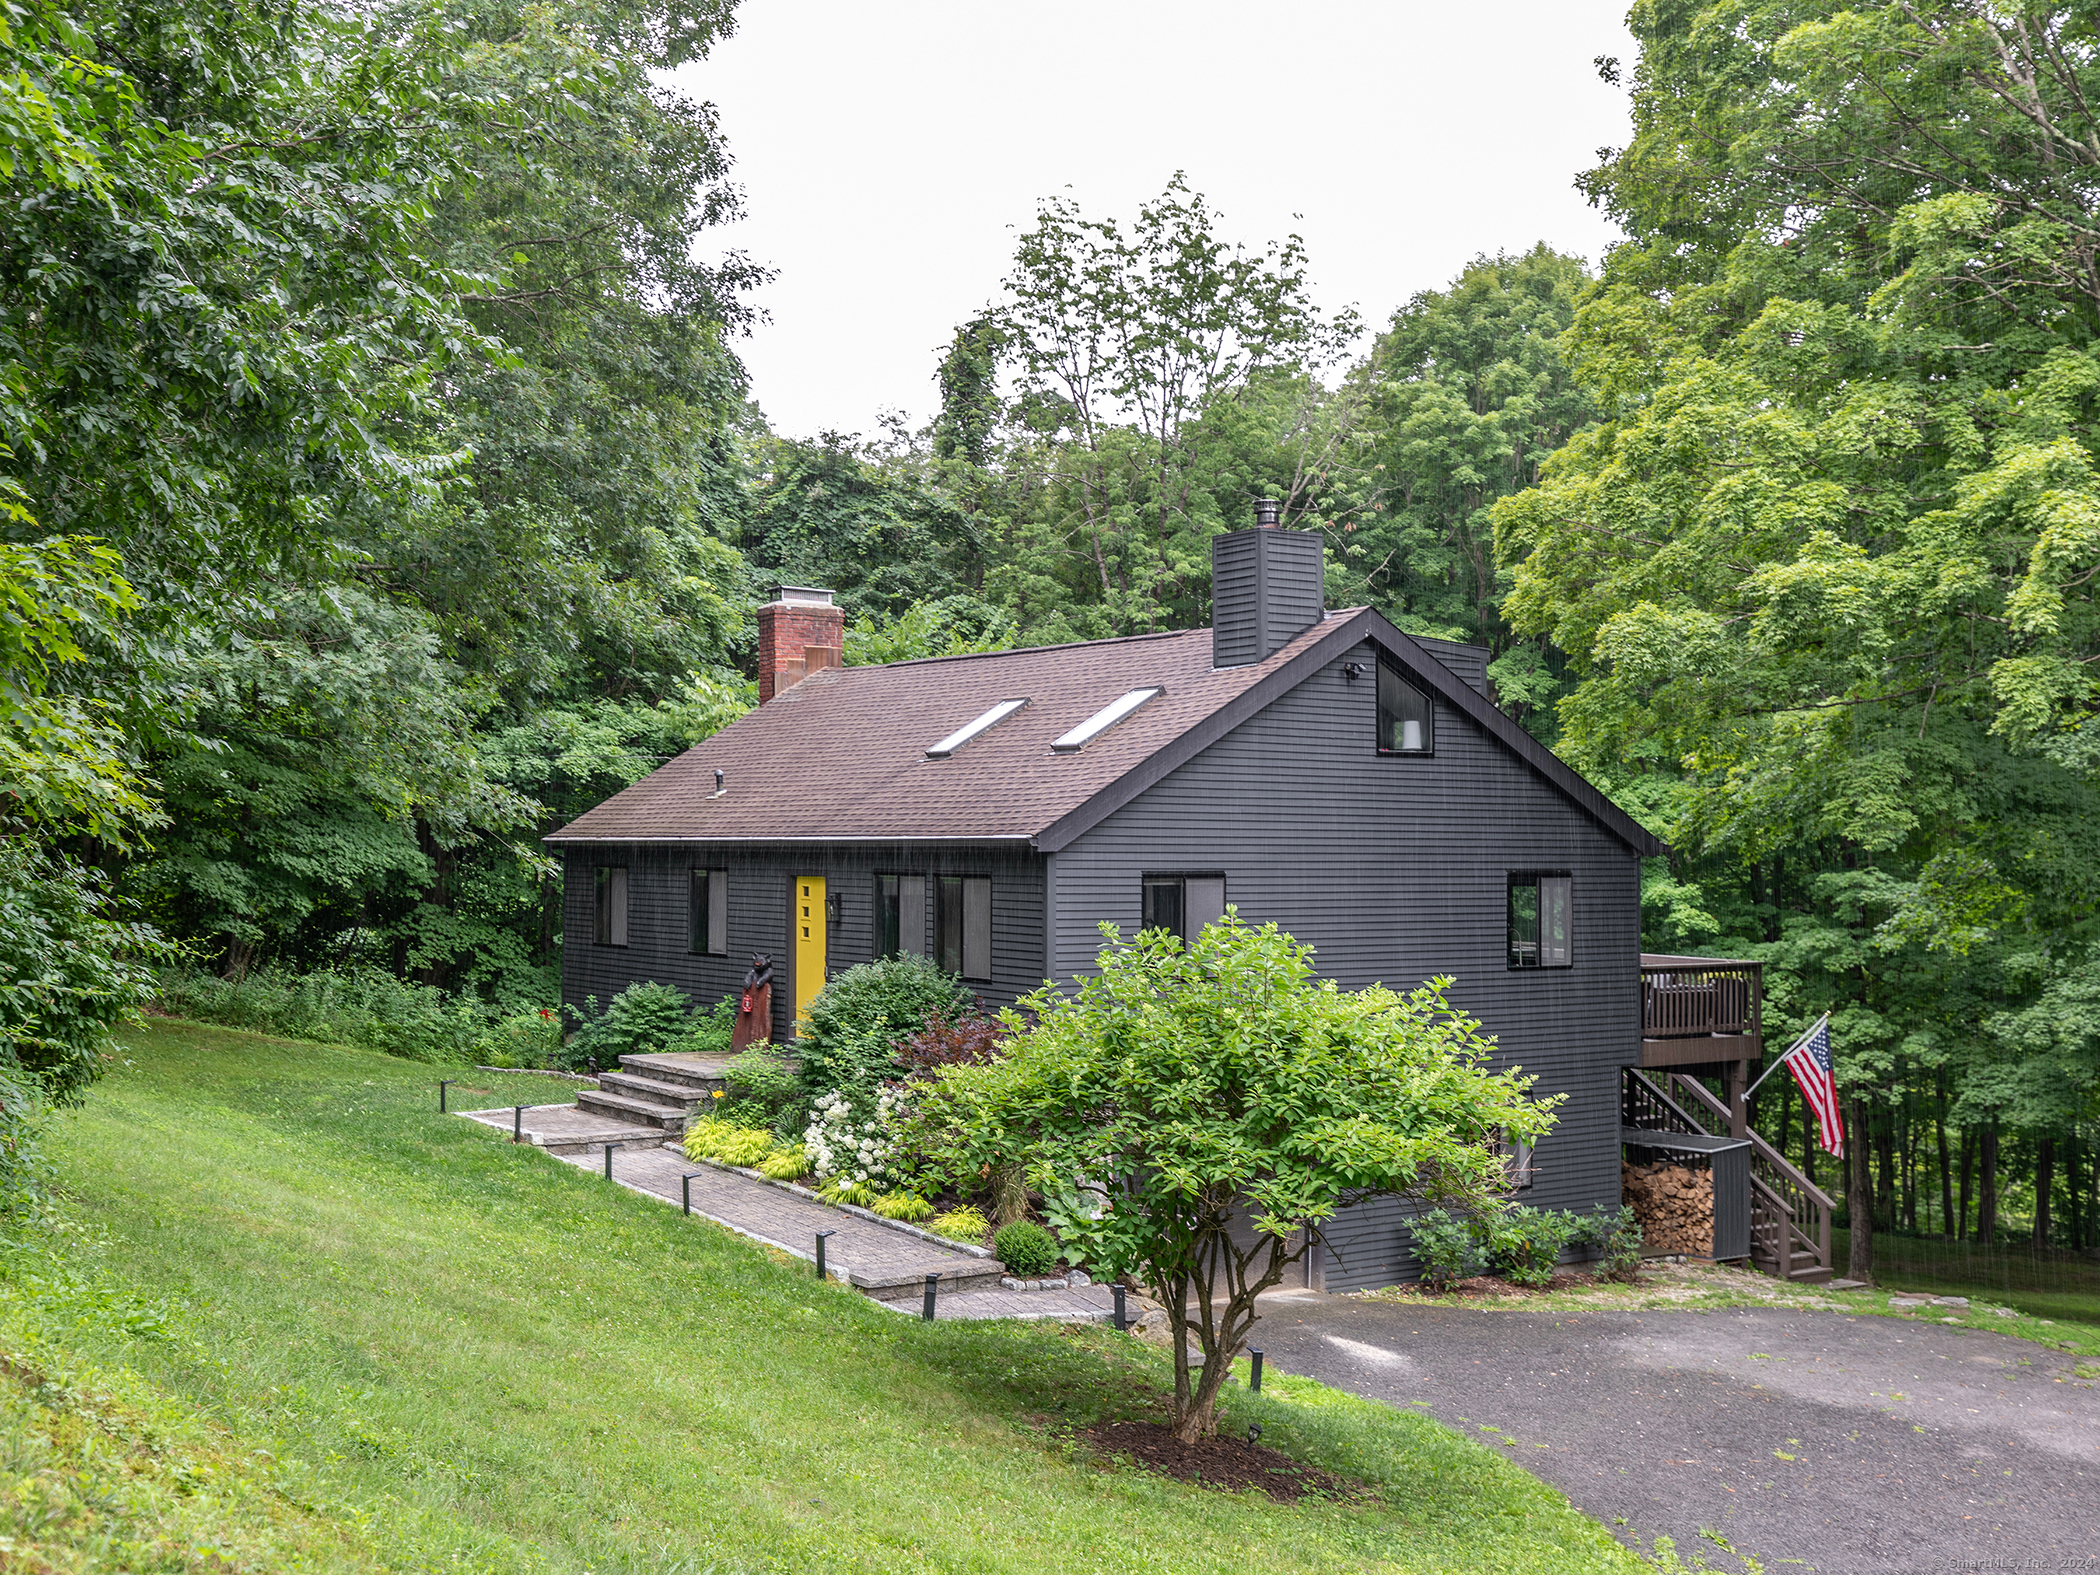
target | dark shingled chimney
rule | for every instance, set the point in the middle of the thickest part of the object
(1266, 587)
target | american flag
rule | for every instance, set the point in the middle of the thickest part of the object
(1810, 1063)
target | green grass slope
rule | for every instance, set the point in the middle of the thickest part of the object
(505, 1364)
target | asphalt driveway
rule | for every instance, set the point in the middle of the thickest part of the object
(1840, 1444)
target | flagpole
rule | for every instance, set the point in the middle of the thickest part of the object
(1776, 1065)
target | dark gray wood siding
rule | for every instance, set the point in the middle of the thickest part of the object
(1267, 587)
(1470, 662)
(759, 882)
(1394, 869)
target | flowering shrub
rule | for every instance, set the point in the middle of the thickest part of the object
(847, 1149)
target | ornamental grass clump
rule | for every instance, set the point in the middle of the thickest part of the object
(784, 1164)
(1195, 1086)
(730, 1145)
(1026, 1249)
(963, 1224)
(906, 1206)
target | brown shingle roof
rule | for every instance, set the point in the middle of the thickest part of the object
(841, 756)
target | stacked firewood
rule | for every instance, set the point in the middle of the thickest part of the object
(1675, 1205)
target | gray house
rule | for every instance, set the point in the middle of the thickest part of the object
(1319, 768)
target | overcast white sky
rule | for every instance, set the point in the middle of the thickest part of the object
(890, 152)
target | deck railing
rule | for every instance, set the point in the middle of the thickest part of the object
(1690, 997)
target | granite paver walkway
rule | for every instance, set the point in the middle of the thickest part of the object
(889, 1265)
(886, 1263)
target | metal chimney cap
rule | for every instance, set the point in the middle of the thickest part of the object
(805, 595)
(1268, 513)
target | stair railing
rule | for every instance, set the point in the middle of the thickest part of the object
(1800, 1210)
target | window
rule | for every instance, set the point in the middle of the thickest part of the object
(963, 926)
(1406, 719)
(610, 904)
(900, 915)
(969, 730)
(1516, 1163)
(1104, 719)
(1183, 904)
(1541, 919)
(707, 914)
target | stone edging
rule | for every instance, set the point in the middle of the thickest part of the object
(849, 1208)
(540, 1071)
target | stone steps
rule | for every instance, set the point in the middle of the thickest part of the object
(701, 1073)
(679, 1096)
(669, 1120)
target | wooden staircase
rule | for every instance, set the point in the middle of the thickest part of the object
(1789, 1214)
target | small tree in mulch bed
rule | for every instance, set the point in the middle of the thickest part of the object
(1182, 1088)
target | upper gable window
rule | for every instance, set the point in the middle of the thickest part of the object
(1406, 719)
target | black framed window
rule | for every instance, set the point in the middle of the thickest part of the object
(1516, 1163)
(609, 905)
(963, 925)
(707, 914)
(1541, 919)
(900, 915)
(1183, 904)
(1406, 718)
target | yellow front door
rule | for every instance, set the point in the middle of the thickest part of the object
(809, 943)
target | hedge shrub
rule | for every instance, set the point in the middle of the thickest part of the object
(1026, 1249)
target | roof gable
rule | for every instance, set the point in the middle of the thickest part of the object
(841, 756)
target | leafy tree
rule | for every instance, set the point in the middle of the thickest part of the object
(952, 626)
(1468, 394)
(1193, 1087)
(1825, 569)
(1120, 342)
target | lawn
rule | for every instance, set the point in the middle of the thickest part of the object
(454, 1353)
(2062, 1285)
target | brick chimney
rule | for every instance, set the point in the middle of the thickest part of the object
(799, 633)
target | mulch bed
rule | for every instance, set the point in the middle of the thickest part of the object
(1490, 1285)
(1220, 1462)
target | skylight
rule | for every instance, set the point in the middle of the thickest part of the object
(969, 730)
(1104, 719)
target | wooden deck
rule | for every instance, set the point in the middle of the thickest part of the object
(1698, 1011)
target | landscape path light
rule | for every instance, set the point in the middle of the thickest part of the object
(443, 1084)
(932, 1283)
(820, 1250)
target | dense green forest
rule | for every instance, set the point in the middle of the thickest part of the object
(379, 486)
